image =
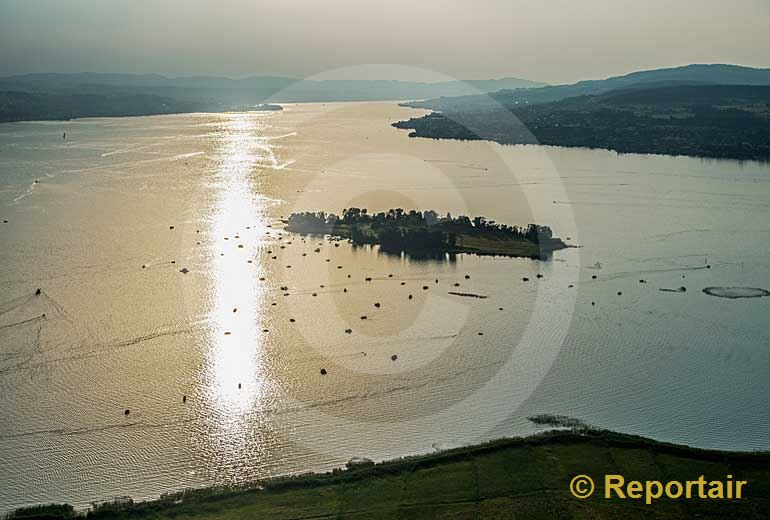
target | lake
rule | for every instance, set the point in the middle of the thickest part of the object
(126, 376)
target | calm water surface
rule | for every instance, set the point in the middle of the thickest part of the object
(117, 327)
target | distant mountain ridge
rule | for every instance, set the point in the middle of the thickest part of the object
(696, 74)
(230, 93)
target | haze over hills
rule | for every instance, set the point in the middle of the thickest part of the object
(696, 74)
(705, 111)
(66, 96)
(59, 96)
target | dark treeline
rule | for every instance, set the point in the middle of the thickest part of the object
(24, 106)
(397, 229)
(720, 121)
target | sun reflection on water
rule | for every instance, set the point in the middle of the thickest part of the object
(236, 365)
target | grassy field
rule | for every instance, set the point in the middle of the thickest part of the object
(489, 246)
(514, 478)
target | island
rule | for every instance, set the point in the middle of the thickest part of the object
(423, 233)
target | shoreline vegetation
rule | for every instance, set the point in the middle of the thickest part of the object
(525, 477)
(709, 121)
(18, 107)
(426, 233)
(51, 97)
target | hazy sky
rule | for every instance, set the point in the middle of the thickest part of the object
(549, 40)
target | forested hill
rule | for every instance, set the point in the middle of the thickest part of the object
(720, 121)
(24, 106)
(65, 96)
(693, 75)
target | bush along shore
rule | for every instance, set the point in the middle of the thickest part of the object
(427, 232)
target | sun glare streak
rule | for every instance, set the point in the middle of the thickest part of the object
(236, 364)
